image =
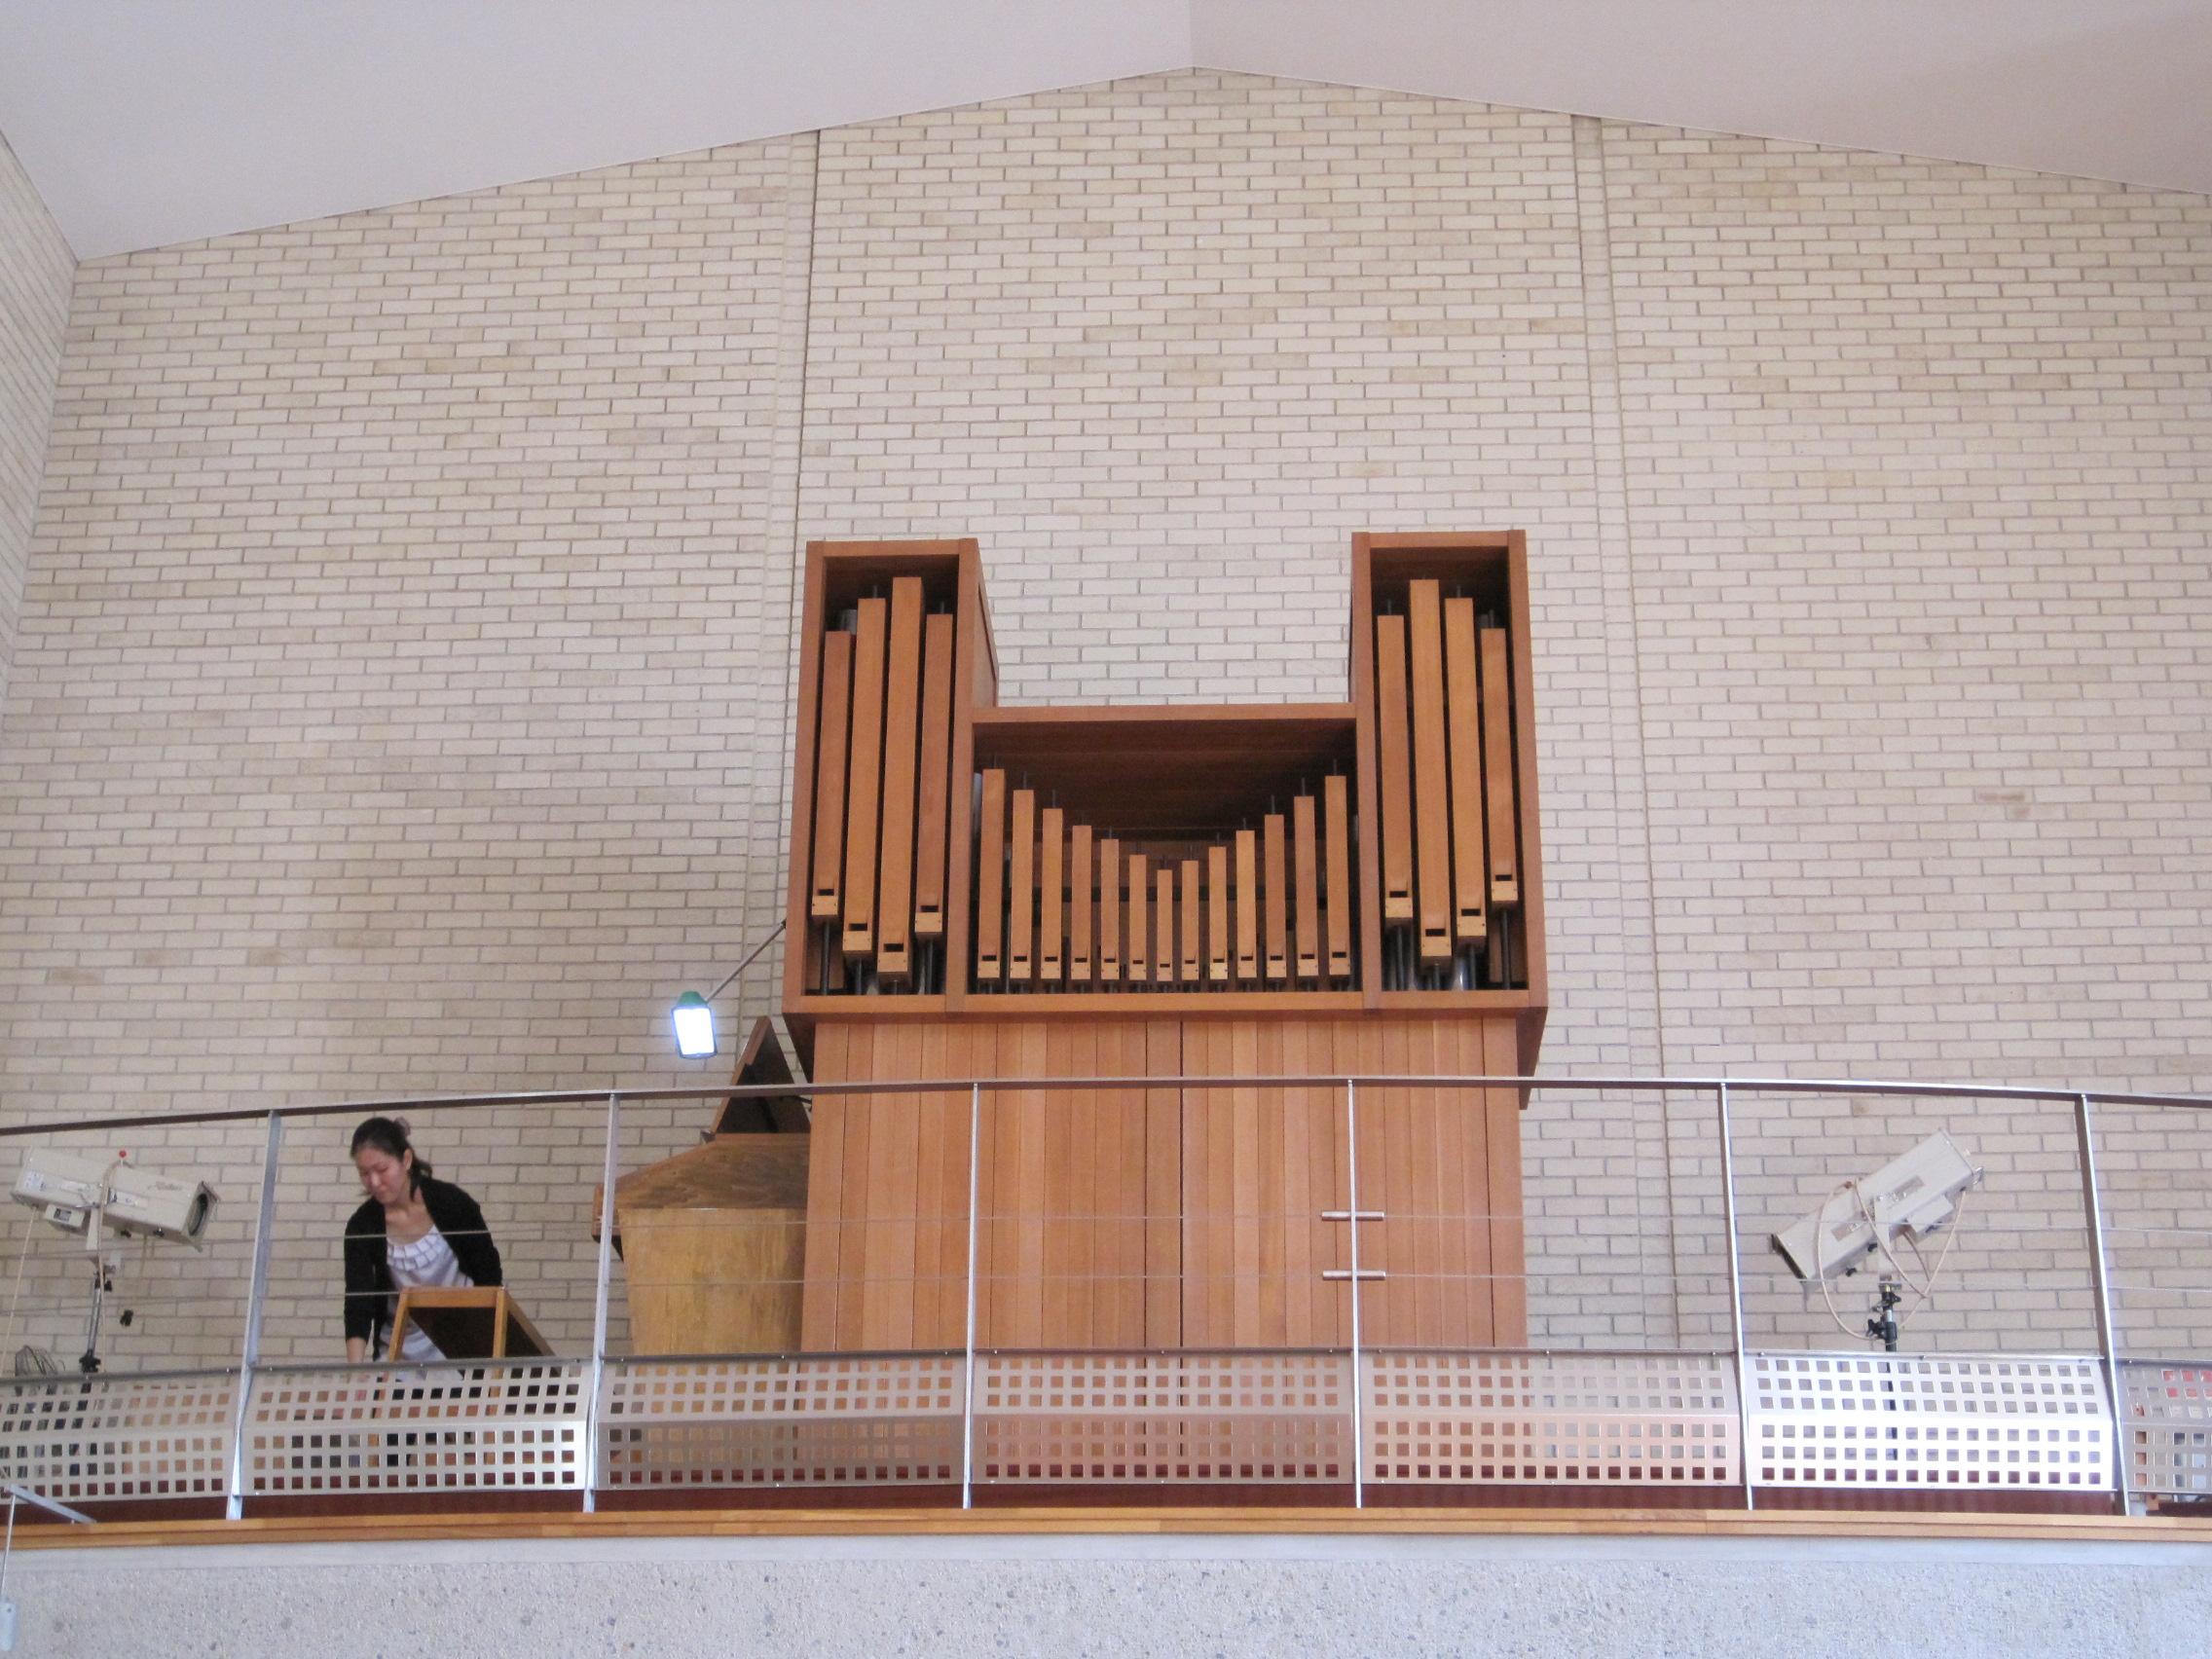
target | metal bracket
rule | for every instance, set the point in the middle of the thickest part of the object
(1350, 1273)
(1353, 1215)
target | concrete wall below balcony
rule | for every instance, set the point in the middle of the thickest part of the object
(1106, 1595)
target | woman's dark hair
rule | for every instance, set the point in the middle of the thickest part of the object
(388, 1135)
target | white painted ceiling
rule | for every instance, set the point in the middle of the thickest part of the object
(147, 122)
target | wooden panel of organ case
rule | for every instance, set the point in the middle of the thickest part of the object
(1126, 894)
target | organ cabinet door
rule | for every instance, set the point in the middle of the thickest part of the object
(1103, 898)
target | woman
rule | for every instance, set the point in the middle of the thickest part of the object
(412, 1231)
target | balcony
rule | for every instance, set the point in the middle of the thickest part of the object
(2061, 1366)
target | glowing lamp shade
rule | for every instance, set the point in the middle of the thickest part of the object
(695, 1026)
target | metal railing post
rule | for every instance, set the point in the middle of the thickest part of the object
(1748, 1451)
(967, 1390)
(1351, 1201)
(595, 1429)
(256, 1297)
(2108, 1340)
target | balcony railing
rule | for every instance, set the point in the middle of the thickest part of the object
(2063, 1360)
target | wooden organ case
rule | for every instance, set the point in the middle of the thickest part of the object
(1142, 893)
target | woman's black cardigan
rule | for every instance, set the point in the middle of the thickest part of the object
(371, 1297)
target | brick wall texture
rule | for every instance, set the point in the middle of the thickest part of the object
(35, 271)
(402, 682)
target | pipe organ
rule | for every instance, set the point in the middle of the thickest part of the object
(1125, 895)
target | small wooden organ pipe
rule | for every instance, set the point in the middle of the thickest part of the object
(1164, 924)
(825, 889)
(1336, 803)
(1083, 883)
(1022, 889)
(1305, 867)
(1052, 891)
(1217, 915)
(1394, 767)
(1275, 914)
(930, 836)
(1109, 912)
(864, 792)
(1432, 831)
(991, 880)
(1471, 871)
(902, 727)
(1187, 924)
(1140, 931)
(1497, 766)
(1247, 904)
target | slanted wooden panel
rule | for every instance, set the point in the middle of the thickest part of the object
(1391, 740)
(1217, 915)
(902, 758)
(1432, 824)
(1022, 890)
(1083, 883)
(990, 881)
(763, 1063)
(1336, 801)
(824, 890)
(1051, 889)
(1470, 870)
(825, 1195)
(864, 793)
(935, 778)
(1164, 1298)
(1247, 904)
(1110, 910)
(1274, 899)
(1498, 768)
(1306, 874)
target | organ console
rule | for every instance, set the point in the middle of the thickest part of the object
(1131, 894)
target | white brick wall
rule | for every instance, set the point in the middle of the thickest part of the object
(404, 688)
(35, 267)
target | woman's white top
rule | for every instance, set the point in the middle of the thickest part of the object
(427, 1261)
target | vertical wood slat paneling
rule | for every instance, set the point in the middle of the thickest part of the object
(855, 1203)
(824, 1196)
(1470, 870)
(826, 888)
(863, 791)
(1167, 1309)
(934, 792)
(1507, 1248)
(889, 1278)
(1432, 825)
